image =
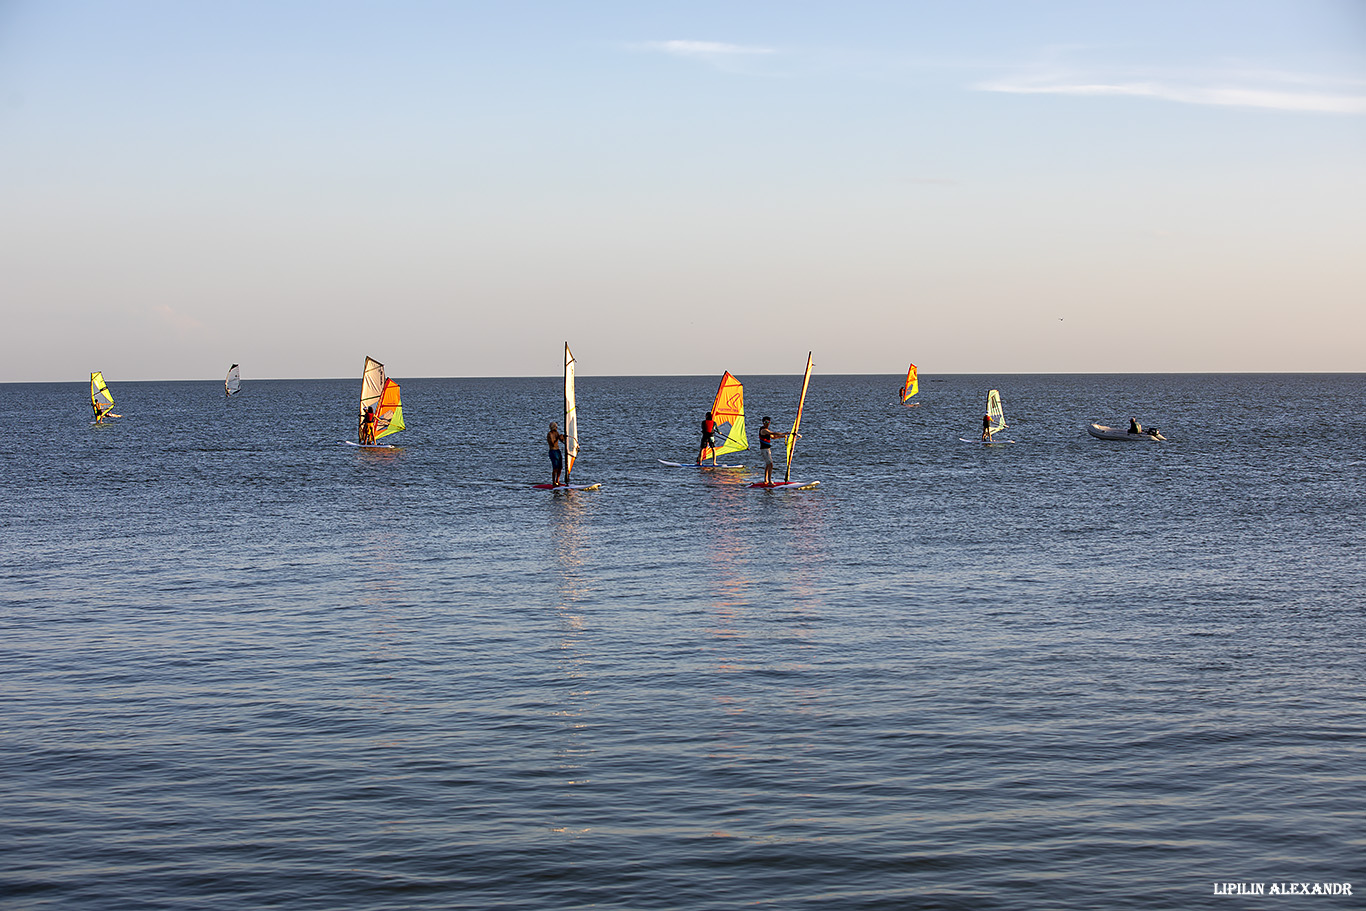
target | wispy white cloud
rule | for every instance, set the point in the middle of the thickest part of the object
(722, 56)
(1267, 91)
(706, 50)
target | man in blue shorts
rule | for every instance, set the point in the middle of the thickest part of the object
(553, 439)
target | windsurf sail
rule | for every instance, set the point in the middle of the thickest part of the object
(728, 414)
(998, 417)
(792, 434)
(101, 399)
(233, 383)
(381, 393)
(571, 417)
(912, 385)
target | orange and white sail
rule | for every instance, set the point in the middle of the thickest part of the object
(381, 393)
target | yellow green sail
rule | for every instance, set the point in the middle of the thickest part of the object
(728, 414)
(101, 399)
(998, 416)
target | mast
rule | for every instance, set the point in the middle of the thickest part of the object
(792, 434)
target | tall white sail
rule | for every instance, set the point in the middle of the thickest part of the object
(233, 383)
(571, 418)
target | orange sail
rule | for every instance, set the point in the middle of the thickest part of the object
(912, 385)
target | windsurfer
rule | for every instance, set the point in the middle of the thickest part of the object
(708, 440)
(367, 426)
(553, 439)
(986, 428)
(766, 437)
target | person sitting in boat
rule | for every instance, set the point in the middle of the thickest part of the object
(986, 428)
(1135, 426)
(367, 426)
(708, 440)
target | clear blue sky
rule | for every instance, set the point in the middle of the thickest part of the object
(457, 188)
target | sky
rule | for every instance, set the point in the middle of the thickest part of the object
(459, 188)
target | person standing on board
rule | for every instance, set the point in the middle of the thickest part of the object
(766, 437)
(986, 428)
(552, 440)
(708, 440)
(367, 426)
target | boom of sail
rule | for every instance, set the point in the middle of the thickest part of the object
(101, 399)
(233, 384)
(792, 434)
(912, 385)
(728, 414)
(381, 393)
(571, 417)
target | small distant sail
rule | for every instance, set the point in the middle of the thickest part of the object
(233, 384)
(728, 414)
(101, 399)
(998, 417)
(912, 385)
(382, 394)
(571, 417)
(792, 434)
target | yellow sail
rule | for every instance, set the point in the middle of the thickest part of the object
(728, 414)
(912, 385)
(101, 399)
(792, 434)
(998, 416)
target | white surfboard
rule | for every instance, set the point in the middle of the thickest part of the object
(369, 445)
(694, 465)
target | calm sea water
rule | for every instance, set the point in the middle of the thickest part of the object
(246, 667)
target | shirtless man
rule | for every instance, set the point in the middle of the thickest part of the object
(553, 440)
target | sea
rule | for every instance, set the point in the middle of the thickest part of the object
(247, 667)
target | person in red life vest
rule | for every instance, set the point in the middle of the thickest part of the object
(708, 440)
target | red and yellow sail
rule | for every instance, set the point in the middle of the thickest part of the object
(912, 385)
(728, 414)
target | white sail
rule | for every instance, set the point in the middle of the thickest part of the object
(233, 383)
(571, 418)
